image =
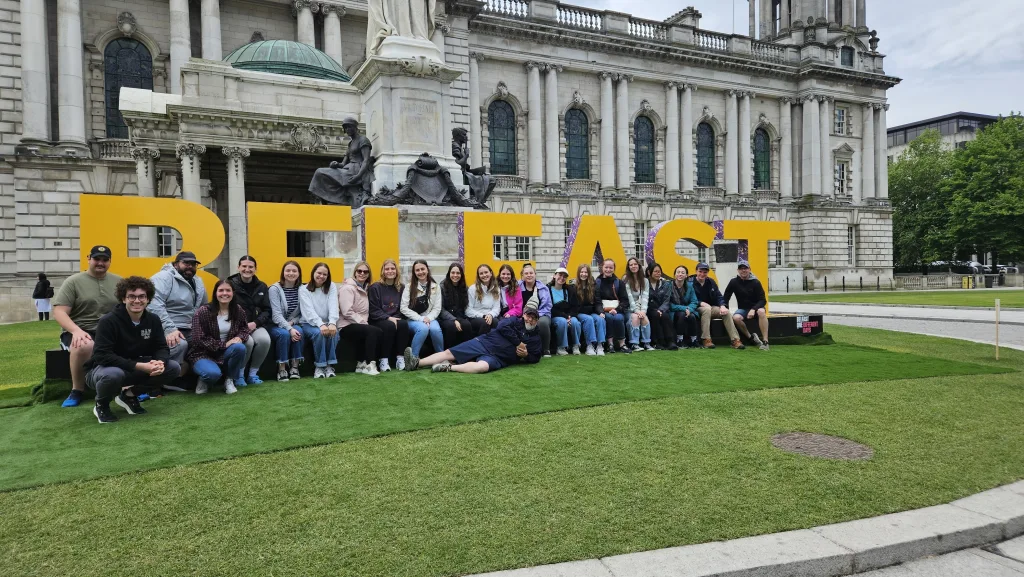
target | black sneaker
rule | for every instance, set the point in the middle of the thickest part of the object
(130, 404)
(103, 414)
(625, 350)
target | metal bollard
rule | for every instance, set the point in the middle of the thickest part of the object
(826, 284)
(787, 284)
(878, 284)
(844, 283)
(861, 283)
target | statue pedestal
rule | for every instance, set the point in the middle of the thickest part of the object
(424, 232)
(406, 107)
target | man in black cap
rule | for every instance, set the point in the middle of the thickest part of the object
(751, 300)
(179, 292)
(82, 299)
(712, 306)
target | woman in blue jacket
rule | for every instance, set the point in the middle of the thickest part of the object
(683, 305)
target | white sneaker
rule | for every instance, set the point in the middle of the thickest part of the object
(360, 366)
(319, 373)
(229, 387)
(590, 350)
(648, 347)
(202, 387)
(575, 349)
(562, 352)
(599, 350)
(329, 372)
(370, 369)
(385, 366)
(400, 363)
(637, 348)
(547, 355)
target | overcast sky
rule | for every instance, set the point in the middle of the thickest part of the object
(952, 55)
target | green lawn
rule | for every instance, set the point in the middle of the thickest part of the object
(963, 298)
(692, 463)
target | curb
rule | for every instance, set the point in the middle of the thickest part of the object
(940, 307)
(931, 319)
(827, 551)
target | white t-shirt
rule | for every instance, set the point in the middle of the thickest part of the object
(224, 325)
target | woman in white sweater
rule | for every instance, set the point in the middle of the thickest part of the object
(421, 304)
(318, 302)
(638, 290)
(484, 307)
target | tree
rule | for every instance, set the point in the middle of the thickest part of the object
(920, 202)
(986, 188)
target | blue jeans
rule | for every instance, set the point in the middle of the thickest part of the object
(325, 350)
(616, 324)
(593, 328)
(561, 332)
(419, 332)
(234, 362)
(284, 347)
(640, 334)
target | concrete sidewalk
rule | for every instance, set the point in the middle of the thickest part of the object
(1008, 317)
(989, 517)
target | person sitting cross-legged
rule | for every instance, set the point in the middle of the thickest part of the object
(515, 340)
(130, 354)
(750, 299)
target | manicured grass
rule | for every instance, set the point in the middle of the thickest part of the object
(21, 361)
(962, 298)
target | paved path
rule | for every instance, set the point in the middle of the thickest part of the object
(1004, 560)
(980, 316)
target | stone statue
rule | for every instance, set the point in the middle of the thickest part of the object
(350, 181)
(408, 18)
(480, 183)
(426, 183)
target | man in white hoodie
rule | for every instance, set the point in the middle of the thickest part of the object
(179, 292)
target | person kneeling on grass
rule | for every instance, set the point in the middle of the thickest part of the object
(130, 354)
(515, 340)
(750, 299)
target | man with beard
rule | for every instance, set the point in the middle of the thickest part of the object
(515, 340)
(82, 299)
(179, 292)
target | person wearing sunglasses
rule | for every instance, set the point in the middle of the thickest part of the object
(353, 319)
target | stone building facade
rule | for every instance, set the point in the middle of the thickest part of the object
(576, 111)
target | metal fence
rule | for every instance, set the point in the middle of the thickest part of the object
(844, 283)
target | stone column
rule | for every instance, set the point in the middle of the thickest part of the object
(145, 173)
(731, 143)
(35, 76)
(811, 180)
(862, 14)
(475, 125)
(212, 49)
(672, 137)
(535, 137)
(607, 132)
(441, 29)
(70, 86)
(881, 154)
(552, 164)
(825, 131)
(305, 32)
(849, 15)
(191, 158)
(622, 130)
(746, 163)
(332, 31)
(767, 22)
(686, 134)
(181, 42)
(786, 147)
(867, 153)
(237, 227)
(784, 18)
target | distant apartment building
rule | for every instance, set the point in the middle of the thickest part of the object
(957, 130)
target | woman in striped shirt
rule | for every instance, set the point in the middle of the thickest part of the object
(285, 313)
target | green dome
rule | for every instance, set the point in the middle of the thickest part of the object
(286, 57)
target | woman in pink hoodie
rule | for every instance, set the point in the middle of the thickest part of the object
(511, 294)
(353, 316)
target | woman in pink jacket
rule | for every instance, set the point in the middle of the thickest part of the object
(511, 295)
(353, 316)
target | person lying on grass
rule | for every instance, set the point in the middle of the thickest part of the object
(515, 340)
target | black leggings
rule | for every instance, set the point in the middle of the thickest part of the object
(44, 316)
(366, 335)
(662, 330)
(454, 337)
(393, 339)
(686, 326)
(482, 328)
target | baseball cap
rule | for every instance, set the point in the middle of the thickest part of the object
(742, 264)
(703, 265)
(532, 312)
(562, 270)
(99, 251)
(186, 256)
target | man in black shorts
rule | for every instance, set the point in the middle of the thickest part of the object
(515, 340)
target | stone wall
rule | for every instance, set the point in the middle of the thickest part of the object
(10, 79)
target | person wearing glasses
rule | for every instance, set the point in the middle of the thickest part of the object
(82, 299)
(354, 316)
(130, 355)
(179, 294)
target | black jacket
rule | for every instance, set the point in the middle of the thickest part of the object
(587, 308)
(749, 293)
(119, 343)
(660, 298)
(570, 307)
(254, 298)
(454, 300)
(708, 293)
(40, 292)
(611, 288)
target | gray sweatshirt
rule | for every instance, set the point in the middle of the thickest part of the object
(278, 306)
(175, 300)
(317, 307)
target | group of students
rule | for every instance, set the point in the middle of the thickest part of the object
(135, 336)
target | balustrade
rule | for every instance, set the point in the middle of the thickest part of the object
(509, 183)
(709, 193)
(580, 186)
(766, 196)
(768, 52)
(513, 8)
(711, 40)
(647, 29)
(115, 148)
(579, 17)
(647, 189)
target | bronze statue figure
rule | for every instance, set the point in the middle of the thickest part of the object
(480, 183)
(426, 183)
(350, 181)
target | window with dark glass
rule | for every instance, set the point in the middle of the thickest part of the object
(643, 147)
(846, 56)
(126, 63)
(501, 127)
(705, 155)
(577, 149)
(762, 160)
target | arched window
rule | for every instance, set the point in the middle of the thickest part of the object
(501, 127)
(705, 155)
(577, 149)
(126, 63)
(643, 146)
(762, 160)
(846, 56)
